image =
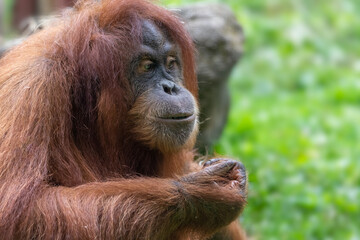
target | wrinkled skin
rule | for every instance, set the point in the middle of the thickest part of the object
(162, 103)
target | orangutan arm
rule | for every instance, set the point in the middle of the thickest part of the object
(143, 208)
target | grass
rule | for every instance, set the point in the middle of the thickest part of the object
(294, 119)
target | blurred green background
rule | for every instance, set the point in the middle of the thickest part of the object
(295, 117)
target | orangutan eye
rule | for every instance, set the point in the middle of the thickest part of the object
(171, 62)
(146, 65)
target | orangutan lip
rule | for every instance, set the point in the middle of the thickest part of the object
(178, 118)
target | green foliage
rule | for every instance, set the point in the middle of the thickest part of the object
(295, 115)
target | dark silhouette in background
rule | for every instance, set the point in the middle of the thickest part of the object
(23, 9)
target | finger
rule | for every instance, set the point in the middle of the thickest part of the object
(241, 172)
(212, 161)
(221, 168)
(234, 184)
(241, 167)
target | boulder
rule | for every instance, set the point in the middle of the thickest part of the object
(219, 42)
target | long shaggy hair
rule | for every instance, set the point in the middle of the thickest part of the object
(64, 98)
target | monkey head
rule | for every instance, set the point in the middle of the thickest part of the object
(164, 113)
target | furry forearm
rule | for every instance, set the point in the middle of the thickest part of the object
(109, 210)
(146, 208)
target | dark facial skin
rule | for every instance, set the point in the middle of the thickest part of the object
(167, 109)
(157, 62)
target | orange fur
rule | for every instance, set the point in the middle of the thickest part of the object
(69, 167)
